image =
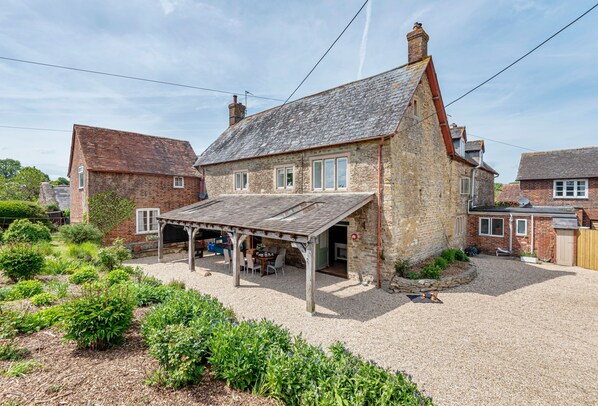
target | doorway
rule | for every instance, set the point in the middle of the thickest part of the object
(565, 247)
(332, 251)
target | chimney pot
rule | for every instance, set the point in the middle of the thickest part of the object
(417, 43)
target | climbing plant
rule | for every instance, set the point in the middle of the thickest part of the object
(107, 210)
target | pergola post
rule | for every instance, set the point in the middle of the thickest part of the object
(161, 241)
(309, 254)
(192, 231)
(236, 240)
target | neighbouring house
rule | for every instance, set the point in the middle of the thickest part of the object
(51, 194)
(509, 195)
(557, 194)
(347, 180)
(156, 173)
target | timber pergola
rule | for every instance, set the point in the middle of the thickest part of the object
(297, 218)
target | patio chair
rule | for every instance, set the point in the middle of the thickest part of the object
(278, 265)
(252, 265)
(227, 261)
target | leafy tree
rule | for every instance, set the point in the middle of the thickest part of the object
(27, 182)
(107, 210)
(9, 168)
(61, 181)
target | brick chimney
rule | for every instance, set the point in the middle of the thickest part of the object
(236, 112)
(417, 41)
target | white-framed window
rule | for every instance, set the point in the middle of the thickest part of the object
(465, 187)
(571, 189)
(460, 226)
(492, 227)
(240, 180)
(81, 177)
(179, 182)
(330, 173)
(415, 107)
(147, 221)
(285, 177)
(521, 227)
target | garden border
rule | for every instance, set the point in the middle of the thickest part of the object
(404, 285)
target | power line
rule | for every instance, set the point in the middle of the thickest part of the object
(326, 53)
(116, 75)
(502, 142)
(33, 128)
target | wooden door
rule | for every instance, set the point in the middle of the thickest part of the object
(565, 247)
(322, 251)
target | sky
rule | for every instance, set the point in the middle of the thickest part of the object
(547, 101)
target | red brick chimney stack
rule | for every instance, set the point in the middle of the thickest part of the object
(236, 112)
(417, 42)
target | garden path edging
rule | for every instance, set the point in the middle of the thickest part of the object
(404, 285)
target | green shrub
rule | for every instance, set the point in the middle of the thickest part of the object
(13, 322)
(290, 375)
(59, 288)
(239, 352)
(180, 351)
(111, 257)
(430, 272)
(45, 248)
(182, 307)
(20, 368)
(80, 233)
(150, 280)
(48, 317)
(26, 289)
(5, 294)
(10, 352)
(83, 252)
(43, 299)
(117, 276)
(85, 274)
(174, 284)
(402, 267)
(441, 263)
(359, 382)
(20, 261)
(147, 294)
(23, 230)
(11, 210)
(100, 317)
(413, 275)
(51, 207)
(449, 255)
(60, 266)
(461, 256)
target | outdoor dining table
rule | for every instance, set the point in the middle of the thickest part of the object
(264, 258)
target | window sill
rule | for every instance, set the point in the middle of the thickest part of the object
(146, 232)
(491, 235)
(570, 198)
(178, 187)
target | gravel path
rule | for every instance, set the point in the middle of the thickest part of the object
(517, 335)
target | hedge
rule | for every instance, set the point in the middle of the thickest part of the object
(11, 210)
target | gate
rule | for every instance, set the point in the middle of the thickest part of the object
(587, 249)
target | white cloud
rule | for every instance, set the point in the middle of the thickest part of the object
(364, 38)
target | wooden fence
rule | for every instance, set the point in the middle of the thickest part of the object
(587, 249)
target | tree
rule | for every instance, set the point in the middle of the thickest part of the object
(61, 181)
(9, 168)
(26, 183)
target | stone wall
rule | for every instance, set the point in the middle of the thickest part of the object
(540, 193)
(147, 191)
(404, 285)
(484, 188)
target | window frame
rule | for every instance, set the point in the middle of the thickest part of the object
(81, 177)
(416, 107)
(490, 220)
(575, 188)
(468, 179)
(460, 225)
(147, 213)
(241, 173)
(517, 227)
(174, 185)
(322, 160)
(285, 171)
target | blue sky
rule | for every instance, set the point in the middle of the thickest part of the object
(548, 101)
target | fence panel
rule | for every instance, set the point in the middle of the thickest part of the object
(587, 249)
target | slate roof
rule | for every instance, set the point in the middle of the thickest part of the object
(477, 145)
(352, 112)
(560, 211)
(275, 213)
(456, 132)
(561, 164)
(509, 193)
(108, 150)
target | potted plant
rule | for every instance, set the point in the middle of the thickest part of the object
(527, 256)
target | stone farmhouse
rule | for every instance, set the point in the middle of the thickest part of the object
(156, 173)
(349, 179)
(557, 194)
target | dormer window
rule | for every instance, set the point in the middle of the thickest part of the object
(179, 182)
(284, 177)
(240, 180)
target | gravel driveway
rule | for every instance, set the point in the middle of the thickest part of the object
(517, 335)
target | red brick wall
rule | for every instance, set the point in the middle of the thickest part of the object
(544, 236)
(540, 193)
(147, 191)
(78, 197)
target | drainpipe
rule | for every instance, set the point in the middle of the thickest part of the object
(511, 233)
(379, 213)
(533, 233)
